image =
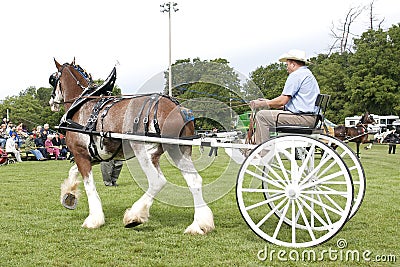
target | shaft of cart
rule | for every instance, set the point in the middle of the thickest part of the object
(219, 142)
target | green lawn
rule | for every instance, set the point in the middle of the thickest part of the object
(37, 231)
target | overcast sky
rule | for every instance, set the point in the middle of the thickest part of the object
(134, 33)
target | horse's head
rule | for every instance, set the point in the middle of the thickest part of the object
(68, 83)
(367, 119)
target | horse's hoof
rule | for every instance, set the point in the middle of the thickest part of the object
(132, 224)
(69, 201)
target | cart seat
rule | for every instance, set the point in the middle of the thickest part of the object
(321, 103)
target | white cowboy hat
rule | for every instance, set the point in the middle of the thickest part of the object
(294, 54)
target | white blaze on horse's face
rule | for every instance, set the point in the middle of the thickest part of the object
(56, 99)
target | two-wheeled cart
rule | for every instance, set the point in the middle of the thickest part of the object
(297, 189)
(293, 190)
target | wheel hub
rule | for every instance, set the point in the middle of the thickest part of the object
(292, 191)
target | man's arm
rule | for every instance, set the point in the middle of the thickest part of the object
(277, 102)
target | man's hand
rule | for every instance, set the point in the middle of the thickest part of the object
(259, 103)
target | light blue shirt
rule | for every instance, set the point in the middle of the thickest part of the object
(303, 88)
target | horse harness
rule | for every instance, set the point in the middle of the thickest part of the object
(148, 109)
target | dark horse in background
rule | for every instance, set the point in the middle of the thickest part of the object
(357, 134)
(152, 115)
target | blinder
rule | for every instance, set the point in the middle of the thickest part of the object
(53, 80)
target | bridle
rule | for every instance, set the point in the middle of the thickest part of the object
(365, 120)
(54, 81)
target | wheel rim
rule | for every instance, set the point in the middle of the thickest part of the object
(313, 197)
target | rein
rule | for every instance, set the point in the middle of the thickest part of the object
(250, 138)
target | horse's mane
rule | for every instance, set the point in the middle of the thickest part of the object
(83, 72)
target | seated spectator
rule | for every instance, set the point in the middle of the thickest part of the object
(64, 146)
(45, 131)
(11, 147)
(3, 135)
(18, 139)
(50, 148)
(59, 143)
(38, 129)
(40, 145)
(31, 147)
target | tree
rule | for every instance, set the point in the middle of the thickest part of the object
(342, 33)
(211, 88)
(270, 79)
(331, 72)
(375, 73)
(31, 108)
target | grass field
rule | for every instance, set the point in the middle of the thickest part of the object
(37, 231)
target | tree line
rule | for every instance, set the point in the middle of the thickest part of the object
(364, 78)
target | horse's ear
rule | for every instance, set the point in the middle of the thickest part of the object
(73, 62)
(58, 65)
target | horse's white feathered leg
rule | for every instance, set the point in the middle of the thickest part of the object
(203, 217)
(140, 211)
(96, 215)
(70, 185)
(203, 222)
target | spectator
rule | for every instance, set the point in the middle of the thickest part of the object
(50, 148)
(39, 129)
(59, 143)
(393, 139)
(3, 135)
(110, 171)
(9, 128)
(214, 149)
(31, 147)
(64, 146)
(18, 140)
(40, 145)
(11, 147)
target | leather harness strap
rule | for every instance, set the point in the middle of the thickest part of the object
(92, 122)
(152, 99)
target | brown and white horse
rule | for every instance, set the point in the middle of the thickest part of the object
(69, 83)
(357, 134)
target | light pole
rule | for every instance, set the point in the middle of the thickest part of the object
(169, 7)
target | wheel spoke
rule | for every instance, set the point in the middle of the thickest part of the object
(262, 178)
(316, 169)
(307, 159)
(279, 225)
(266, 217)
(321, 204)
(327, 217)
(265, 202)
(316, 215)
(329, 198)
(303, 215)
(294, 221)
(322, 180)
(282, 168)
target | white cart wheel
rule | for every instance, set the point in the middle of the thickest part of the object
(353, 164)
(313, 195)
